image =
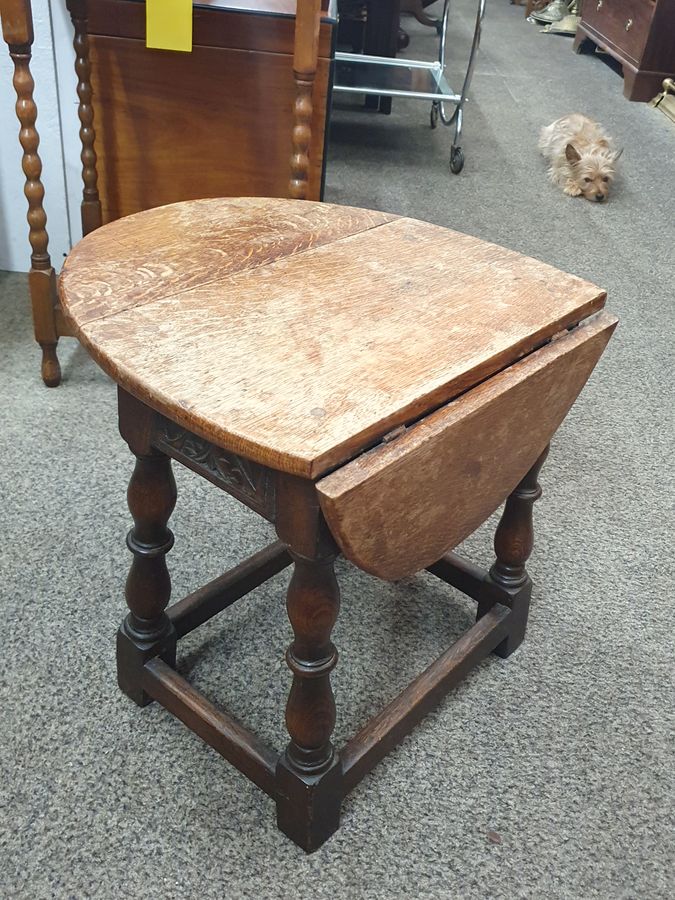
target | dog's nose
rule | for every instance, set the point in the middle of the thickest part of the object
(599, 197)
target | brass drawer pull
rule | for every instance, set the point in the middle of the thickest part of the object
(628, 24)
(599, 4)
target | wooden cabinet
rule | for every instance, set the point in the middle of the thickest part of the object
(640, 34)
(211, 123)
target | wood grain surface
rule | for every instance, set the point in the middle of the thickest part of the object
(181, 126)
(17, 22)
(164, 252)
(297, 335)
(400, 507)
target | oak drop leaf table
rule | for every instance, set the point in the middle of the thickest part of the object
(374, 386)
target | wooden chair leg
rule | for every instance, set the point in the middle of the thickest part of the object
(147, 631)
(17, 31)
(42, 287)
(514, 540)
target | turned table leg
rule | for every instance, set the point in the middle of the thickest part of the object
(147, 632)
(309, 773)
(514, 540)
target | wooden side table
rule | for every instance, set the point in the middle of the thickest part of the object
(374, 386)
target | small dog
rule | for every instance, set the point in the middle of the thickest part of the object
(580, 155)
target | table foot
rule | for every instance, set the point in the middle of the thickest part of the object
(308, 806)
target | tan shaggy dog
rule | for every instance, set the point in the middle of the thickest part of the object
(580, 155)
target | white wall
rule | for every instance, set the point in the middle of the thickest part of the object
(58, 126)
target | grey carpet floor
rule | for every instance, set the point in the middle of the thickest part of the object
(565, 751)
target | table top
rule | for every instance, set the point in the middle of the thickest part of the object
(298, 334)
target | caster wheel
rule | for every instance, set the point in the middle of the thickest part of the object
(402, 39)
(456, 160)
(433, 115)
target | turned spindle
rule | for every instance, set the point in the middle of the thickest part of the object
(306, 52)
(313, 602)
(91, 204)
(147, 632)
(17, 30)
(309, 773)
(514, 540)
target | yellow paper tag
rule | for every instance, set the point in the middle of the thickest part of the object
(168, 24)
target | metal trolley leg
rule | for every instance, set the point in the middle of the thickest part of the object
(456, 153)
(415, 79)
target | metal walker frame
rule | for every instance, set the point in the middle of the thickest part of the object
(414, 78)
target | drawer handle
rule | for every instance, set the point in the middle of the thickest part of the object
(629, 24)
(599, 6)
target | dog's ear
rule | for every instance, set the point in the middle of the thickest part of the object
(616, 154)
(572, 153)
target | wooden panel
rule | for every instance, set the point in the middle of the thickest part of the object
(269, 30)
(400, 507)
(181, 126)
(302, 362)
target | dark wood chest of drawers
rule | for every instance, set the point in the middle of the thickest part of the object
(640, 34)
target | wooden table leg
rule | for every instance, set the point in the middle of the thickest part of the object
(309, 772)
(147, 631)
(514, 540)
